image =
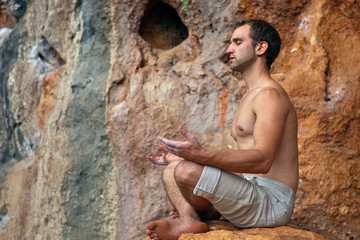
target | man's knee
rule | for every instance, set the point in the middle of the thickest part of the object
(168, 172)
(187, 173)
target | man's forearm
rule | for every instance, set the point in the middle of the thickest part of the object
(240, 161)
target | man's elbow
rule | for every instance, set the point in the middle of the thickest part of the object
(266, 166)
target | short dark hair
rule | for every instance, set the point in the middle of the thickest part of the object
(261, 30)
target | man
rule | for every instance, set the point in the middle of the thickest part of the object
(205, 184)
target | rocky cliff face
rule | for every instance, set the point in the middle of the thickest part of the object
(86, 86)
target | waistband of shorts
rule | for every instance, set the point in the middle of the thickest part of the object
(267, 182)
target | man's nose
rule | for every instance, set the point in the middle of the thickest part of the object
(229, 49)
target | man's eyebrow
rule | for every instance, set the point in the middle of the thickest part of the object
(235, 39)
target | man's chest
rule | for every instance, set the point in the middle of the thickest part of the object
(243, 124)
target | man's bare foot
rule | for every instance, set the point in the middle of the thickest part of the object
(172, 229)
(174, 214)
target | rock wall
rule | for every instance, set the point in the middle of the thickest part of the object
(86, 86)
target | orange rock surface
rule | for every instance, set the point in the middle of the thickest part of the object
(255, 234)
(86, 86)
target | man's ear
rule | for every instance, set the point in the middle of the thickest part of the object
(261, 48)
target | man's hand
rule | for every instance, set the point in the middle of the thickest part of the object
(158, 160)
(163, 159)
(190, 149)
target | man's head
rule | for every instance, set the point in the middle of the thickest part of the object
(261, 30)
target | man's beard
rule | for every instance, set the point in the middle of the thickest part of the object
(244, 63)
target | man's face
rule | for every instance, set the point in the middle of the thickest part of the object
(241, 51)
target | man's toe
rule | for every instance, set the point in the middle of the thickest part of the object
(151, 225)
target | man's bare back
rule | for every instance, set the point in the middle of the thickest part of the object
(285, 165)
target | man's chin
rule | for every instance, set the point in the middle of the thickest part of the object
(235, 67)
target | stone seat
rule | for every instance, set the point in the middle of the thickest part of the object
(222, 230)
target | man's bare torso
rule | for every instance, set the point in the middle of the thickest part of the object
(285, 164)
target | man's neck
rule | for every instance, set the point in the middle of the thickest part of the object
(256, 76)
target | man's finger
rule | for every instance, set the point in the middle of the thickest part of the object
(188, 135)
(162, 147)
(157, 160)
(170, 143)
(172, 150)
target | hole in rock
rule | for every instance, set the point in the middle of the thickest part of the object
(161, 26)
(49, 54)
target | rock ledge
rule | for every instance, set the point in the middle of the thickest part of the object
(220, 230)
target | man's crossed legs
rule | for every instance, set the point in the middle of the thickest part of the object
(246, 201)
(180, 178)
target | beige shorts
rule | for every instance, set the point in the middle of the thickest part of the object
(248, 200)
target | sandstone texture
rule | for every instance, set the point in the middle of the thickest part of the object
(219, 230)
(86, 86)
(280, 233)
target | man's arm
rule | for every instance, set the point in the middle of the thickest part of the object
(271, 109)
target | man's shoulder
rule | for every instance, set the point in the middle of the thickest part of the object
(272, 97)
(271, 93)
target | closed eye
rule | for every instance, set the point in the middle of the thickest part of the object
(236, 41)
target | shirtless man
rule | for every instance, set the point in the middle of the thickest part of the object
(205, 184)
